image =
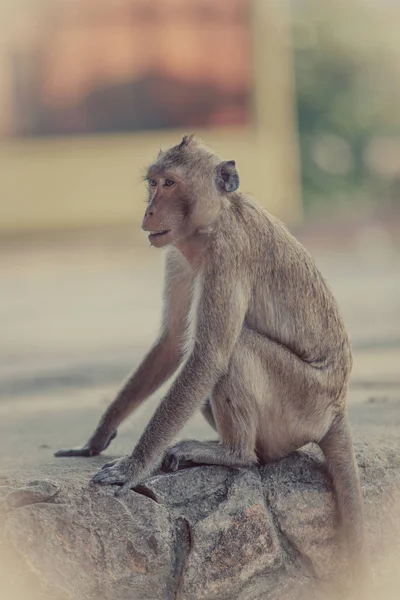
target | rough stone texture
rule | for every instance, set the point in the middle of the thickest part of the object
(209, 533)
(36, 491)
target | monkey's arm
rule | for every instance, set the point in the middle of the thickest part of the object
(220, 316)
(159, 364)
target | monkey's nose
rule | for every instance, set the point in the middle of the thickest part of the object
(147, 214)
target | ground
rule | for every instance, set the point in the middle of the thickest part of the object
(77, 315)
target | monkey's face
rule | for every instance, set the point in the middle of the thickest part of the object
(185, 188)
(167, 208)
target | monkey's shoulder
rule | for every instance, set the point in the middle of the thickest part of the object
(249, 228)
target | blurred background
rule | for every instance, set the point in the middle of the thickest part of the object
(303, 94)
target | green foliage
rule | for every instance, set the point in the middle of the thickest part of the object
(345, 57)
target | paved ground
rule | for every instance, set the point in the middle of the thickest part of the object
(77, 316)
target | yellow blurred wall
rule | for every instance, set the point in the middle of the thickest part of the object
(72, 182)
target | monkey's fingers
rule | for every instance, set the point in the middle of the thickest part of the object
(92, 448)
(111, 463)
(84, 451)
(109, 476)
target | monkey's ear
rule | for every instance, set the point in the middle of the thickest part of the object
(227, 178)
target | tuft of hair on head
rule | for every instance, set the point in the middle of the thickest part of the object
(186, 140)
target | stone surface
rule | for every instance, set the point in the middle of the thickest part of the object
(209, 533)
(36, 491)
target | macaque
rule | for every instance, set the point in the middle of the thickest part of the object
(254, 330)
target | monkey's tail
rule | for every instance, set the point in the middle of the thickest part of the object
(337, 446)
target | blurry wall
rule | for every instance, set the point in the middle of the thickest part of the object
(90, 90)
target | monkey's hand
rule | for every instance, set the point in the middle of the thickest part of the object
(122, 471)
(92, 448)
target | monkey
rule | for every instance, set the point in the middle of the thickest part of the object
(251, 331)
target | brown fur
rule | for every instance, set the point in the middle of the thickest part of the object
(255, 327)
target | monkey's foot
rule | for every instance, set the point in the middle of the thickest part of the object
(204, 453)
(178, 455)
(118, 472)
(191, 451)
(92, 448)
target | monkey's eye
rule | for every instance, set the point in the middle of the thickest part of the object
(169, 182)
(152, 182)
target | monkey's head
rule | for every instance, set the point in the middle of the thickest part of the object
(186, 188)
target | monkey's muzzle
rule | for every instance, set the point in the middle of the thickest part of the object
(158, 234)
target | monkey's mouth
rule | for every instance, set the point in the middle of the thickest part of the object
(157, 234)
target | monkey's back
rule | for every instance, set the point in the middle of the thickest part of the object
(291, 302)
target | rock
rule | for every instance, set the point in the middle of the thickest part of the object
(33, 492)
(97, 545)
(209, 533)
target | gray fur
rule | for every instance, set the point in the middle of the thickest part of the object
(256, 331)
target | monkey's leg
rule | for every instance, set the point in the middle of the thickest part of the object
(267, 405)
(232, 411)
